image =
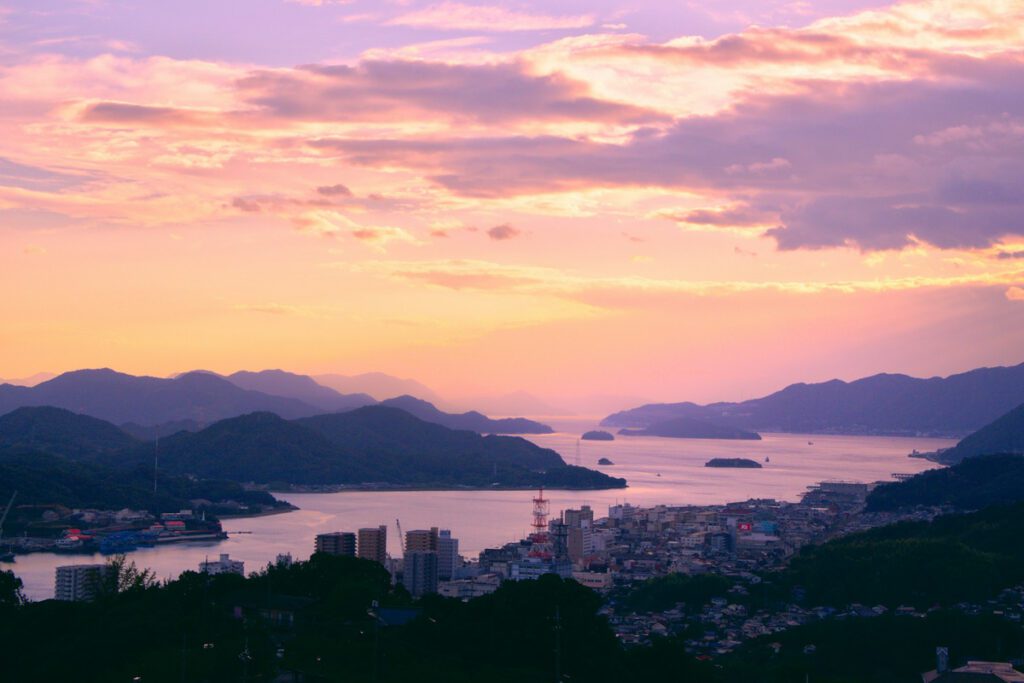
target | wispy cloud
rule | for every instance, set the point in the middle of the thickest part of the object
(486, 18)
(490, 276)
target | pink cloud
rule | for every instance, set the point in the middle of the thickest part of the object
(396, 90)
(503, 232)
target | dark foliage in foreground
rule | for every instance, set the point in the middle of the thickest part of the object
(948, 560)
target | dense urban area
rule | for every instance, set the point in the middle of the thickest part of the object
(692, 592)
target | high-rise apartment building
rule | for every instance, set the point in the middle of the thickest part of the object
(578, 519)
(76, 582)
(447, 555)
(419, 573)
(337, 543)
(373, 543)
(421, 539)
(580, 543)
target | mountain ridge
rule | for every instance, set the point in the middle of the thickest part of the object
(472, 420)
(884, 404)
(120, 398)
(369, 446)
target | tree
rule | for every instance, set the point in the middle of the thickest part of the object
(123, 576)
(10, 590)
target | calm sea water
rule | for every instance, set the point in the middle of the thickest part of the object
(658, 470)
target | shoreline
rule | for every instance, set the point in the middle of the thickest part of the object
(397, 488)
(264, 513)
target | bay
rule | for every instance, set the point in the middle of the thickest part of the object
(659, 471)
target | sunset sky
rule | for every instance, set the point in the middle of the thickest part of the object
(661, 200)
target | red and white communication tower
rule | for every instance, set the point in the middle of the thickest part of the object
(540, 514)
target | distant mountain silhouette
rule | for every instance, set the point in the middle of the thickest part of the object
(881, 404)
(378, 385)
(473, 421)
(689, 428)
(159, 431)
(29, 381)
(120, 398)
(369, 445)
(61, 432)
(1005, 435)
(301, 387)
(513, 403)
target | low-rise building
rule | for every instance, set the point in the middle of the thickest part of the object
(224, 565)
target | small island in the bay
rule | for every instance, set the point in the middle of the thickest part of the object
(605, 461)
(598, 435)
(688, 428)
(733, 462)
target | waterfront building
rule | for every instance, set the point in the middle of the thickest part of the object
(373, 543)
(419, 572)
(78, 582)
(447, 555)
(225, 565)
(336, 543)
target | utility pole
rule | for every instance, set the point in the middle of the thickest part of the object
(558, 645)
(376, 639)
(183, 655)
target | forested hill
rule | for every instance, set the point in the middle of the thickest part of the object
(1004, 435)
(370, 445)
(969, 485)
(62, 432)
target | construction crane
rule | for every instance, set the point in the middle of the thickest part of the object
(6, 511)
(401, 536)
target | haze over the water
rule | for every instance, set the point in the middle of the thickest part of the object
(653, 201)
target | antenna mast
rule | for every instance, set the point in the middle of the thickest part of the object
(540, 513)
(156, 461)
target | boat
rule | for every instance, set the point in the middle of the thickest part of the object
(185, 536)
(120, 542)
(68, 544)
(7, 557)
